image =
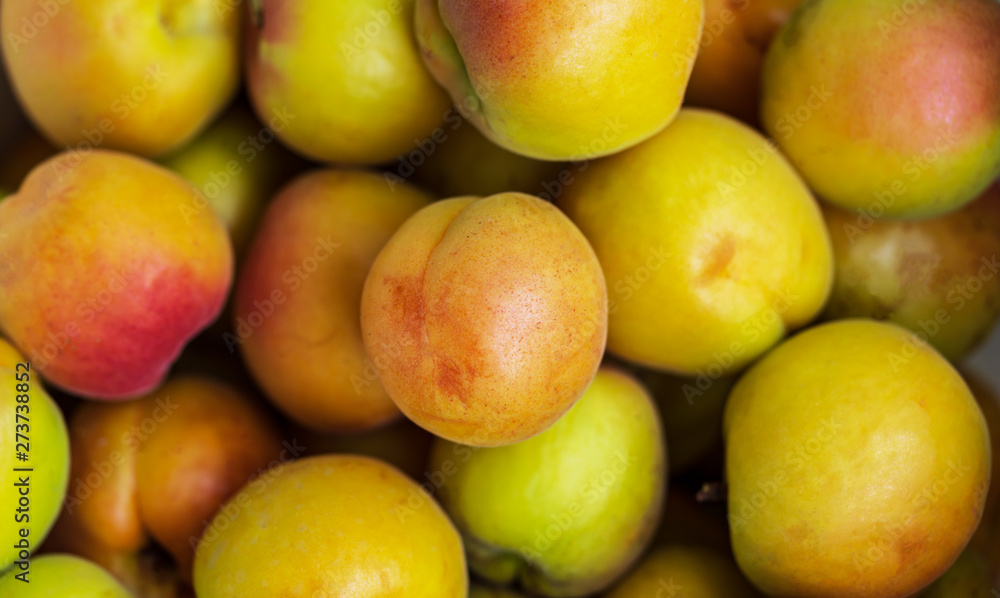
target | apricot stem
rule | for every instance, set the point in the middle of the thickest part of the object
(257, 13)
(713, 492)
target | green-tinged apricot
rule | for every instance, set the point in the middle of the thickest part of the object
(939, 277)
(467, 163)
(62, 576)
(568, 511)
(35, 461)
(341, 81)
(236, 165)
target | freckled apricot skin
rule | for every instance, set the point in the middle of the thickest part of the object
(712, 246)
(335, 525)
(487, 318)
(297, 300)
(103, 277)
(857, 462)
(888, 107)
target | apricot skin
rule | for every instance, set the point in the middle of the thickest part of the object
(297, 299)
(486, 318)
(103, 279)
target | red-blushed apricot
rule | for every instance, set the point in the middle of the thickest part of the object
(560, 79)
(103, 278)
(486, 318)
(890, 108)
(156, 469)
(297, 320)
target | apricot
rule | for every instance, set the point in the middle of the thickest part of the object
(562, 80)
(331, 526)
(103, 279)
(712, 246)
(341, 81)
(296, 313)
(467, 163)
(685, 572)
(156, 469)
(857, 463)
(569, 511)
(939, 277)
(142, 77)
(486, 318)
(890, 108)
